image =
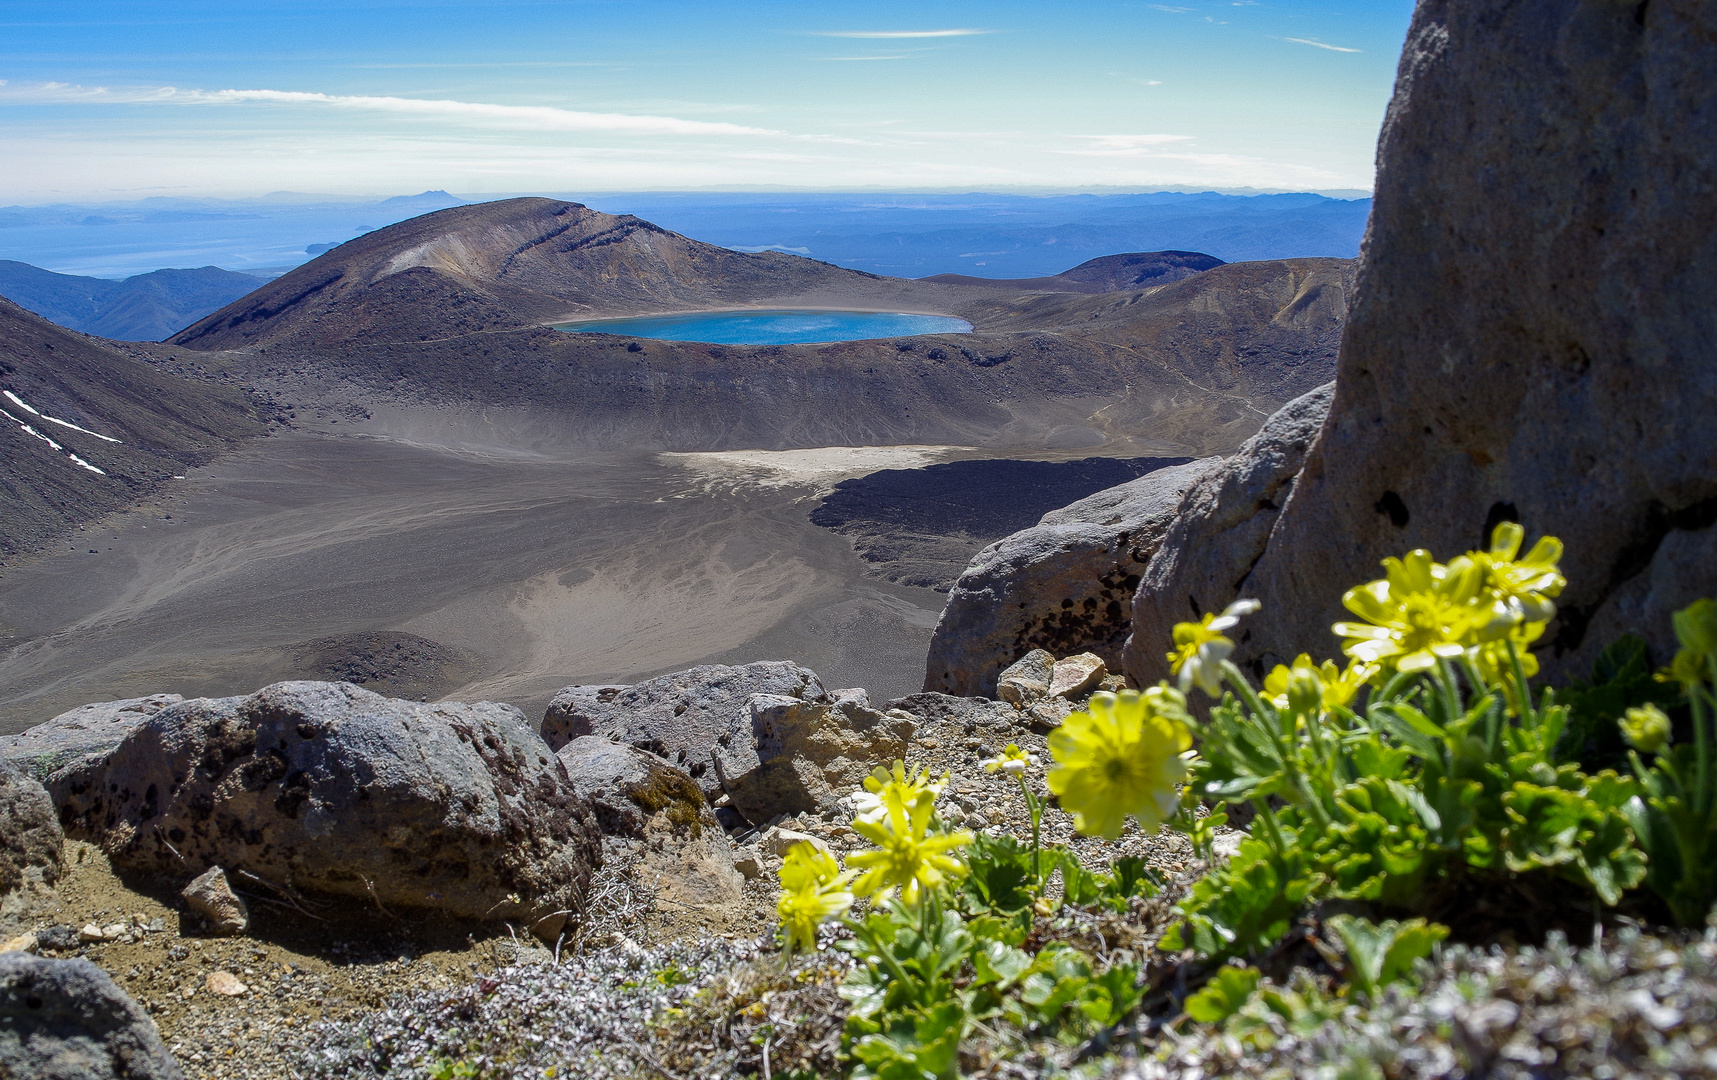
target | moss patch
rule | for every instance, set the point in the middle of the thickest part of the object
(675, 793)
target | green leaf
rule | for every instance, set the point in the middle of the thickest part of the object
(1381, 953)
(1079, 885)
(1109, 997)
(1000, 873)
(999, 964)
(1224, 995)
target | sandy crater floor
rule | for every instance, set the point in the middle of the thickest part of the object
(549, 565)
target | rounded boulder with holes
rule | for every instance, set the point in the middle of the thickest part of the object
(330, 789)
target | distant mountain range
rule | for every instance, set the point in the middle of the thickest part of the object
(1109, 273)
(147, 307)
(1003, 236)
(900, 234)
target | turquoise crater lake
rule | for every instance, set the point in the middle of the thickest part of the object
(772, 327)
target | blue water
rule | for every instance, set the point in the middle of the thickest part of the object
(773, 327)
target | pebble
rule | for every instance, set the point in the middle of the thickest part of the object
(21, 943)
(225, 982)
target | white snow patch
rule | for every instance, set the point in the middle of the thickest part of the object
(26, 406)
(28, 430)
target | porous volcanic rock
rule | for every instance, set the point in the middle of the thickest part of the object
(787, 755)
(30, 843)
(1065, 585)
(1531, 333)
(1219, 531)
(656, 814)
(68, 1020)
(93, 729)
(330, 788)
(677, 716)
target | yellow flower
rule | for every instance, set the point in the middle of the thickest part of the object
(1299, 686)
(1493, 661)
(1200, 647)
(1420, 612)
(1125, 755)
(1646, 729)
(907, 856)
(813, 891)
(1012, 761)
(1340, 691)
(868, 804)
(1523, 587)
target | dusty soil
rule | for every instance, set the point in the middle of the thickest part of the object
(302, 971)
(516, 569)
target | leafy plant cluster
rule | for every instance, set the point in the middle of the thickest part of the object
(1426, 790)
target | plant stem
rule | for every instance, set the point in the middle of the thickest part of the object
(1527, 710)
(1036, 810)
(1699, 698)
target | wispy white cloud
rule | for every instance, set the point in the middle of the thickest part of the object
(963, 32)
(516, 117)
(1316, 44)
(1123, 145)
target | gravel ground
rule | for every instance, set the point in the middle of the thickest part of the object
(1635, 1006)
(297, 981)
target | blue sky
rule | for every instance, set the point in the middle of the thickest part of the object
(124, 100)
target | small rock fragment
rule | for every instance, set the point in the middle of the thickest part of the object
(25, 942)
(1027, 680)
(1077, 675)
(59, 937)
(212, 897)
(225, 983)
(749, 862)
(90, 932)
(777, 841)
(1047, 715)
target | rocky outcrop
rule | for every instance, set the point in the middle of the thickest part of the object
(679, 716)
(1531, 333)
(1065, 586)
(657, 817)
(68, 1020)
(1220, 529)
(30, 843)
(786, 755)
(328, 788)
(93, 729)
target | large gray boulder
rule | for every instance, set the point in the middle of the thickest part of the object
(67, 1020)
(657, 817)
(330, 788)
(30, 843)
(1065, 585)
(678, 716)
(786, 755)
(75, 733)
(1532, 332)
(1219, 530)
